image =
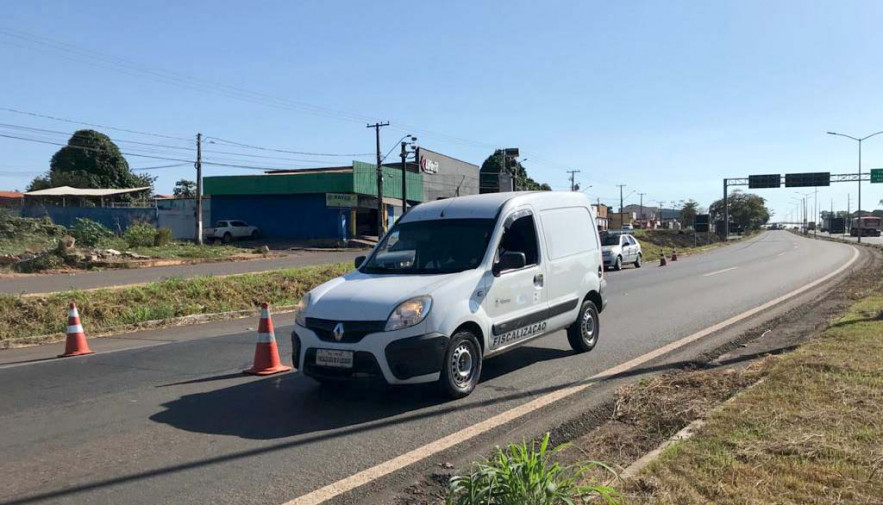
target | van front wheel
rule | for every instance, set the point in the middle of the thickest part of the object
(461, 369)
(583, 333)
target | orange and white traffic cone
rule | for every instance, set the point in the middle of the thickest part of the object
(266, 354)
(76, 344)
(662, 262)
(674, 254)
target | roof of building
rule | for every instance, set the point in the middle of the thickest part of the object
(69, 191)
(300, 171)
(11, 194)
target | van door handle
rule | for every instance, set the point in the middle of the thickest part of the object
(538, 280)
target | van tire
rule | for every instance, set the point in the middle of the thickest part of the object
(463, 352)
(586, 322)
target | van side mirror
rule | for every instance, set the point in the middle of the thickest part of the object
(510, 261)
(358, 261)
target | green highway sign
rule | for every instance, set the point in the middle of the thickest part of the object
(877, 175)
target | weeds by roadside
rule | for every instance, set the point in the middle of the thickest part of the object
(523, 474)
(809, 434)
(27, 320)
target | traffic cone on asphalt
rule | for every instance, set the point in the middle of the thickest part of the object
(674, 254)
(266, 353)
(662, 262)
(76, 344)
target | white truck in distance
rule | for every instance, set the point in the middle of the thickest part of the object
(227, 231)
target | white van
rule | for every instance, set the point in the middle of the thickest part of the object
(453, 282)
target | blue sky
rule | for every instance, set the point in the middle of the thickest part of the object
(665, 97)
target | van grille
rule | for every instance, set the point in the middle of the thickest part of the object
(353, 331)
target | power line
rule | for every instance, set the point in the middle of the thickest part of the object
(54, 118)
(182, 80)
(288, 151)
(175, 165)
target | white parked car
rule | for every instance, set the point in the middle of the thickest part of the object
(619, 248)
(228, 231)
(454, 282)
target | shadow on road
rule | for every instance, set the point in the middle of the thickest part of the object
(293, 404)
(238, 419)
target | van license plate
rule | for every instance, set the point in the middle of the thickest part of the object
(334, 358)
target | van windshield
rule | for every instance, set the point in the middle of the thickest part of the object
(438, 246)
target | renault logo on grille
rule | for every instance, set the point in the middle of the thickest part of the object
(338, 332)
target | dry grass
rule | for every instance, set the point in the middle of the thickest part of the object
(811, 433)
(650, 411)
(31, 319)
(655, 241)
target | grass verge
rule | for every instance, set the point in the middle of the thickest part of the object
(32, 319)
(654, 242)
(809, 434)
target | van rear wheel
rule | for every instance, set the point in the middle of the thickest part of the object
(461, 369)
(583, 333)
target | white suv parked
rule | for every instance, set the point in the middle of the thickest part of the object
(453, 282)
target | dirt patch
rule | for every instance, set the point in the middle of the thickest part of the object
(646, 413)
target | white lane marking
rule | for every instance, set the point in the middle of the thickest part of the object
(375, 472)
(720, 271)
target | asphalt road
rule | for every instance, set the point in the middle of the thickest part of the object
(30, 284)
(174, 421)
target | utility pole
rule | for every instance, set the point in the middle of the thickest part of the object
(573, 179)
(621, 212)
(380, 221)
(641, 213)
(831, 217)
(848, 226)
(726, 213)
(404, 155)
(198, 166)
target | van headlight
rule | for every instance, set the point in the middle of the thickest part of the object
(409, 313)
(300, 317)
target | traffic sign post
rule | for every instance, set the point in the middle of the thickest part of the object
(808, 180)
(764, 181)
(876, 175)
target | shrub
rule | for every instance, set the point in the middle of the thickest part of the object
(140, 235)
(89, 232)
(162, 237)
(49, 260)
(523, 474)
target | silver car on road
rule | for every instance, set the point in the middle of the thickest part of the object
(618, 249)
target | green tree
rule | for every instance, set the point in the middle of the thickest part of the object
(185, 189)
(747, 210)
(689, 209)
(90, 160)
(494, 165)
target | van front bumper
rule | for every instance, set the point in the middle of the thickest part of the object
(391, 357)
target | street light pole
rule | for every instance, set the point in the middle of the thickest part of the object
(859, 140)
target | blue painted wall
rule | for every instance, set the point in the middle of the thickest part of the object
(284, 216)
(117, 220)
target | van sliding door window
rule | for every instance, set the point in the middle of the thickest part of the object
(521, 236)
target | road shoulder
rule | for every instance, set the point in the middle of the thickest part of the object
(610, 428)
